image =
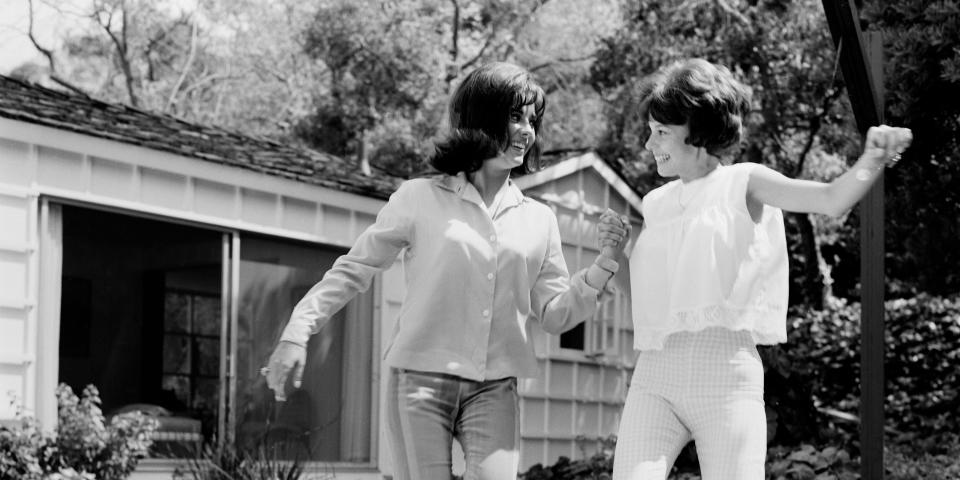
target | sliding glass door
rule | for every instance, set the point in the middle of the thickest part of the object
(176, 320)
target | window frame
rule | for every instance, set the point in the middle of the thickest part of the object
(50, 223)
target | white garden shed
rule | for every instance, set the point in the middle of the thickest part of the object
(158, 260)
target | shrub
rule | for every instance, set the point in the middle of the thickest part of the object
(84, 446)
(597, 466)
(819, 367)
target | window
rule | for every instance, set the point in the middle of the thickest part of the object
(329, 418)
(144, 312)
(140, 320)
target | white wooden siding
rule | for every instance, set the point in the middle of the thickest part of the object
(577, 400)
(18, 267)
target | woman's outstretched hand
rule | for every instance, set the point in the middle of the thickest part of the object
(286, 358)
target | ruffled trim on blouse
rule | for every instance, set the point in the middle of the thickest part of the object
(755, 319)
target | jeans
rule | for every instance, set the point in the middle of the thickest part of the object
(426, 411)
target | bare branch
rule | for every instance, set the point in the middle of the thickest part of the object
(186, 65)
(732, 11)
(551, 62)
(476, 58)
(68, 85)
(49, 54)
(119, 43)
(46, 52)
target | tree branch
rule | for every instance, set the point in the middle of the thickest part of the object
(49, 54)
(186, 66)
(46, 52)
(554, 61)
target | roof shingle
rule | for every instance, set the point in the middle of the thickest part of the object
(76, 113)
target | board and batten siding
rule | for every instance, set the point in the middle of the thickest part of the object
(577, 399)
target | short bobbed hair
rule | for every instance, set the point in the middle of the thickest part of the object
(701, 95)
(480, 110)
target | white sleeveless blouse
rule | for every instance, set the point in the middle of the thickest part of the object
(702, 261)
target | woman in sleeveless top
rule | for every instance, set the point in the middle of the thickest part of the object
(708, 276)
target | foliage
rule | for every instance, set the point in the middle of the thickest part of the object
(908, 461)
(819, 368)
(231, 463)
(809, 462)
(595, 466)
(391, 69)
(364, 79)
(230, 63)
(921, 76)
(84, 447)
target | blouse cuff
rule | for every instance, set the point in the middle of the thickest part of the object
(296, 333)
(579, 280)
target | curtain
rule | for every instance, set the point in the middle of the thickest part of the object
(357, 380)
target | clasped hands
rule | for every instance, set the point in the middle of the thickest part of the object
(613, 233)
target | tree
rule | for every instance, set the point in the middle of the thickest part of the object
(390, 70)
(230, 63)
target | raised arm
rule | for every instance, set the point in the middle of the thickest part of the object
(883, 146)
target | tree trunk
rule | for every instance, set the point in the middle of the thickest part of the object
(816, 288)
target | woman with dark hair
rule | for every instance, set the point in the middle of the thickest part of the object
(482, 264)
(708, 276)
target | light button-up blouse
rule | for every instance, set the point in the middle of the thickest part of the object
(476, 281)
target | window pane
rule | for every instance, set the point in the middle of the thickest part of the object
(176, 354)
(329, 418)
(137, 295)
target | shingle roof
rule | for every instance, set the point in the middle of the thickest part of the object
(77, 113)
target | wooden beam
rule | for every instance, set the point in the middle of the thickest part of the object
(862, 72)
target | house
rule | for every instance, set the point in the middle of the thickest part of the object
(159, 260)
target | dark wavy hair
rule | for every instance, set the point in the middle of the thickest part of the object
(480, 110)
(701, 95)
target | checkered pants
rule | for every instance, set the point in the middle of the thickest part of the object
(703, 386)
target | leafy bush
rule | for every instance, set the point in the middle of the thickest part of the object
(84, 446)
(809, 462)
(596, 466)
(907, 461)
(819, 368)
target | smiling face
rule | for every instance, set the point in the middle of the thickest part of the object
(521, 136)
(674, 156)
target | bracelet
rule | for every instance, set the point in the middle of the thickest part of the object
(608, 264)
(864, 174)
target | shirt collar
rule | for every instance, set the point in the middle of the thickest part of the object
(464, 189)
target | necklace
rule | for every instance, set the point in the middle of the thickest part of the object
(688, 191)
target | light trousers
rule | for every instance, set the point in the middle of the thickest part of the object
(704, 386)
(426, 411)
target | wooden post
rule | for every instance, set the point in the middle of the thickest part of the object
(871, 303)
(862, 82)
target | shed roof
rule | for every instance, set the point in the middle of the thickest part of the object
(33, 103)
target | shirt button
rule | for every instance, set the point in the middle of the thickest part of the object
(493, 238)
(486, 312)
(489, 276)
